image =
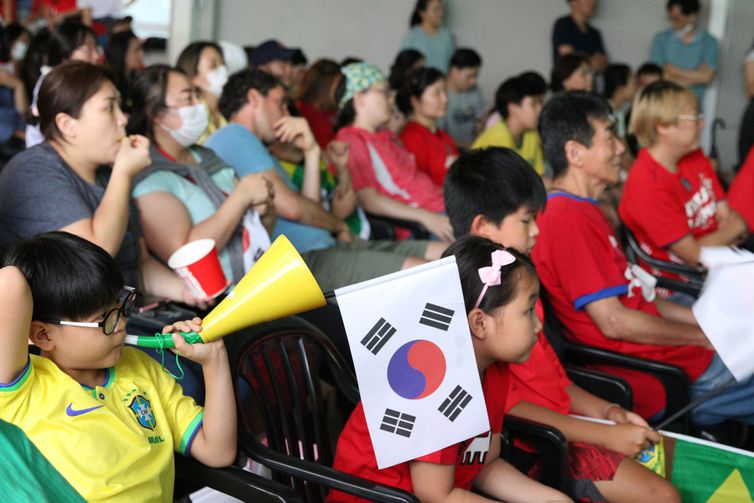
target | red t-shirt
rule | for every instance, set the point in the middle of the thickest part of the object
(355, 454)
(579, 261)
(741, 192)
(380, 161)
(541, 380)
(661, 207)
(434, 152)
(322, 123)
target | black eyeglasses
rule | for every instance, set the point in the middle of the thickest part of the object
(110, 319)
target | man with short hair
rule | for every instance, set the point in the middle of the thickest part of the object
(465, 104)
(686, 52)
(573, 33)
(589, 283)
(274, 58)
(518, 100)
(254, 103)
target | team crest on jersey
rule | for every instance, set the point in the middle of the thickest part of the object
(142, 409)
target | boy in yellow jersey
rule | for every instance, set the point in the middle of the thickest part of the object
(107, 417)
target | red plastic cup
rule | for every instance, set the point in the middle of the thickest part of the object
(198, 265)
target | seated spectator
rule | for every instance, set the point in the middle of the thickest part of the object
(746, 131)
(27, 475)
(645, 75)
(494, 193)
(204, 64)
(16, 40)
(573, 33)
(124, 57)
(315, 99)
(518, 102)
(672, 200)
(298, 68)
(465, 103)
(61, 184)
(686, 52)
(428, 36)
(187, 192)
(502, 331)
(620, 87)
(589, 283)
(69, 41)
(405, 62)
(572, 72)
(385, 176)
(274, 58)
(254, 104)
(424, 99)
(66, 296)
(533, 80)
(741, 191)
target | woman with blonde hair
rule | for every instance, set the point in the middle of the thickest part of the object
(672, 200)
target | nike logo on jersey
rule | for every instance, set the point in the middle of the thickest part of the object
(73, 413)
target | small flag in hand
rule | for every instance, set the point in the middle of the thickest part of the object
(379, 334)
(436, 317)
(455, 403)
(398, 423)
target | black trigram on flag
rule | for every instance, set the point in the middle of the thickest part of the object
(455, 403)
(380, 333)
(436, 317)
(398, 423)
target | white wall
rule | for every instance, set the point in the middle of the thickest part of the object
(511, 35)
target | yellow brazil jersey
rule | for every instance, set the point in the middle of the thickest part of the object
(499, 136)
(114, 442)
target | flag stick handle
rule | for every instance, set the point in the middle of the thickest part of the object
(702, 398)
(329, 295)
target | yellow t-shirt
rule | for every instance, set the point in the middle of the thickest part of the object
(530, 148)
(114, 442)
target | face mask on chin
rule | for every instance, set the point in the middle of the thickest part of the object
(194, 122)
(217, 79)
(685, 30)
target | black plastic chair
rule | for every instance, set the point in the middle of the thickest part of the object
(550, 444)
(383, 228)
(673, 379)
(234, 481)
(692, 277)
(281, 363)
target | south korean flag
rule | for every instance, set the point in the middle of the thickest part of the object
(414, 360)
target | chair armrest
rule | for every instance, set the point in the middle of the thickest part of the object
(614, 389)
(636, 251)
(418, 231)
(320, 474)
(673, 379)
(235, 482)
(550, 443)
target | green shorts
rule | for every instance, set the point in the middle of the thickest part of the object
(348, 263)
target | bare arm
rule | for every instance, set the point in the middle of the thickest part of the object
(675, 312)
(108, 224)
(20, 100)
(701, 75)
(374, 202)
(215, 442)
(15, 320)
(618, 322)
(749, 78)
(295, 131)
(730, 231)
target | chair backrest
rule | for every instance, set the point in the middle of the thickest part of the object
(282, 364)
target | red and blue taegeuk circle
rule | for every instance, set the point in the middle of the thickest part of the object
(416, 370)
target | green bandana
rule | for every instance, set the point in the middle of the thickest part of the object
(359, 77)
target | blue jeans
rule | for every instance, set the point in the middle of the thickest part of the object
(736, 402)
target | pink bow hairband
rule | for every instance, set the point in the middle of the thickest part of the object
(491, 276)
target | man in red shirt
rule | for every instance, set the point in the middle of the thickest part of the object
(587, 278)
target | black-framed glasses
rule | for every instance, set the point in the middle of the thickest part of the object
(111, 318)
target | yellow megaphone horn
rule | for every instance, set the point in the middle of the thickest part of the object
(278, 285)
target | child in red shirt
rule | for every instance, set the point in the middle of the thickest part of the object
(425, 100)
(500, 290)
(503, 209)
(672, 200)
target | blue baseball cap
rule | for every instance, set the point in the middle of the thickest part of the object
(270, 50)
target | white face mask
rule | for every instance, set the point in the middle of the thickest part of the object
(18, 51)
(685, 30)
(217, 79)
(194, 122)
